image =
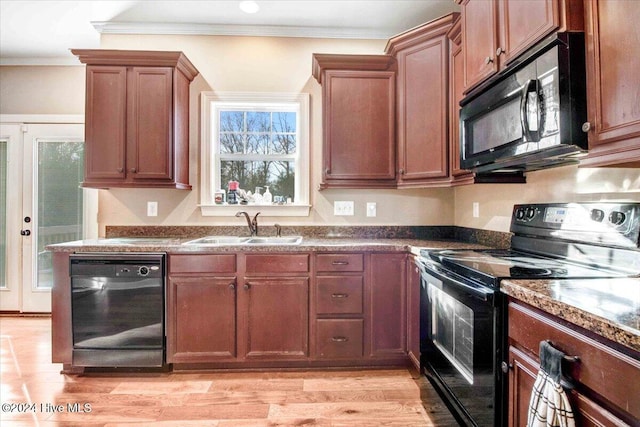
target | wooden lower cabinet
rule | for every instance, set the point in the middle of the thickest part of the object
(607, 382)
(287, 310)
(275, 315)
(202, 315)
(413, 314)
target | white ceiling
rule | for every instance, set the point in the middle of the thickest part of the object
(42, 32)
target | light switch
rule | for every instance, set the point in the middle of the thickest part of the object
(152, 208)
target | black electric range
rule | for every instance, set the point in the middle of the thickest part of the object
(462, 309)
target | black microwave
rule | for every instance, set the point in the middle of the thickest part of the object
(530, 115)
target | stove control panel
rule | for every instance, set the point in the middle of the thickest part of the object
(600, 223)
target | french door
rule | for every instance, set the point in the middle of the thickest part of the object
(42, 203)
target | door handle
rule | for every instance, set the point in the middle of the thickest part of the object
(25, 232)
(530, 87)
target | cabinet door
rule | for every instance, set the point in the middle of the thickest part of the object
(613, 83)
(150, 124)
(105, 126)
(479, 40)
(359, 126)
(522, 376)
(275, 318)
(422, 114)
(201, 319)
(388, 316)
(524, 22)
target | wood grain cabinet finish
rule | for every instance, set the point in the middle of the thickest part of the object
(496, 32)
(339, 338)
(136, 118)
(358, 113)
(613, 83)
(413, 314)
(422, 103)
(607, 381)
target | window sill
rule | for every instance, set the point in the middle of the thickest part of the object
(265, 210)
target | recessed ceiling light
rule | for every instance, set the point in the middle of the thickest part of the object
(249, 6)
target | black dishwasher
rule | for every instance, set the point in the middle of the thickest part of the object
(117, 306)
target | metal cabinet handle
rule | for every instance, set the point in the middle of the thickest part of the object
(499, 51)
(506, 367)
(247, 286)
(340, 263)
(586, 127)
(25, 232)
(120, 170)
(488, 60)
(232, 286)
(339, 295)
(133, 170)
(327, 171)
(401, 171)
(339, 339)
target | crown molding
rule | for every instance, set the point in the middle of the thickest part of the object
(237, 30)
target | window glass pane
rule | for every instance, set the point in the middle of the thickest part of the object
(258, 143)
(60, 170)
(231, 143)
(231, 121)
(283, 144)
(278, 175)
(284, 122)
(3, 216)
(258, 121)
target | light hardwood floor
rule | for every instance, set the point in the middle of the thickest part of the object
(360, 398)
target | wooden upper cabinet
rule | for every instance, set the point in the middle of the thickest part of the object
(358, 113)
(495, 32)
(137, 118)
(613, 83)
(422, 55)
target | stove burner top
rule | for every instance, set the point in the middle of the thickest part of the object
(489, 266)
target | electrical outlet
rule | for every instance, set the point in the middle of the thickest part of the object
(371, 209)
(476, 209)
(343, 208)
(152, 208)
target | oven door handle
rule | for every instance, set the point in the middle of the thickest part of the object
(477, 293)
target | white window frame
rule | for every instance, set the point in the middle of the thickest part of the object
(211, 102)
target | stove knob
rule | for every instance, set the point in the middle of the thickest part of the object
(531, 212)
(617, 218)
(520, 213)
(143, 271)
(597, 215)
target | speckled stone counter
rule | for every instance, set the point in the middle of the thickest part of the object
(607, 307)
(307, 245)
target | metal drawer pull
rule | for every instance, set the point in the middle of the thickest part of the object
(340, 263)
(339, 339)
(339, 295)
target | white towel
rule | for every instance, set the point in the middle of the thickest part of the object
(549, 405)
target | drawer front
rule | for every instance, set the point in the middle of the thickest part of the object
(336, 339)
(269, 263)
(339, 295)
(340, 262)
(204, 263)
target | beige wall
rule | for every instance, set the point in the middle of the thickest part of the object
(42, 90)
(563, 184)
(284, 64)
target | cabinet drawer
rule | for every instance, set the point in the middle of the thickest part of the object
(339, 295)
(340, 262)
(202, 263)
(339, 338)
(269, 263)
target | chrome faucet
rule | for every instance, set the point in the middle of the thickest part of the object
(252, 224)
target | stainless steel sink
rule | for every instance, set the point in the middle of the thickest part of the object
(285, 240)
(234, 240)
(217, 240)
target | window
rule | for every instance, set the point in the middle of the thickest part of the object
(259, 140)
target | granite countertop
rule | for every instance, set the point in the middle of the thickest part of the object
(308, 244)
(607, 307)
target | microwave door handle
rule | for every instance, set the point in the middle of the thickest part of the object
(531, 86)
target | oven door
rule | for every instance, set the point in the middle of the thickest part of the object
(461, 344)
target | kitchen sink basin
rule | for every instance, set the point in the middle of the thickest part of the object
(233, 240)
(287, 240)
(217, 240)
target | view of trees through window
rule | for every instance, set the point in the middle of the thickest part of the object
(258, 149)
